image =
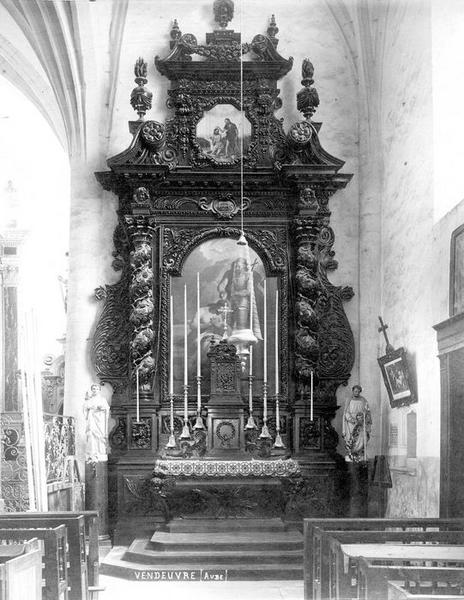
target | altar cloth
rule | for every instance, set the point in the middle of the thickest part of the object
(228, 468)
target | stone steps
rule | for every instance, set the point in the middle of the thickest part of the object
(140, 551)
(218, 525)
(204, 549)
(117, 567)
(239, 540)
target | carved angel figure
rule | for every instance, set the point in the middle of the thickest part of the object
(141, 195)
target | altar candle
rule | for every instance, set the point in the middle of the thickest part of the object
(171, 348)
(265, 333)
(364, 435)
(198, 327)
(137, 394)
(277, 414)
(277, 342)
(198, 347)
(251, 329)
(311, 396)
(250, 386)
(185, 337)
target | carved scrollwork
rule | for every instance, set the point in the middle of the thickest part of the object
(141, 434)
(153, 134)
(111, 339)
(310, 433)
(323, 339)
(118, 435)
(178, 243)
(223, 206)
(330, 437)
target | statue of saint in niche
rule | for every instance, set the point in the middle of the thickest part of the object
(96, 411)
(357, 423)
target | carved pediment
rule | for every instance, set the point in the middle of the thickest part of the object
(224, 95)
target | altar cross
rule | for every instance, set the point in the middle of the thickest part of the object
(383, 329)
(224, 311)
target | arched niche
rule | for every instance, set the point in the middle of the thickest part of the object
(220, 266)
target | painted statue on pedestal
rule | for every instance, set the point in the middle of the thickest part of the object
(96, 411)
(357, 423)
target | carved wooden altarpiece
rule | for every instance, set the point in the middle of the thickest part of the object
(174, 194)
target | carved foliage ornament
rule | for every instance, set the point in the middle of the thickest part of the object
(178, 243)
(324, 342)
(141, 299)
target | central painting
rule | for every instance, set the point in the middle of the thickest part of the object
(224, 275)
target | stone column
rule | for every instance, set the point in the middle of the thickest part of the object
(92, 222)
(10, 242)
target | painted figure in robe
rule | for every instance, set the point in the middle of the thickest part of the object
(237, 286)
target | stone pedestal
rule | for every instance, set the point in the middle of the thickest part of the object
(96, 494)
(358, 486)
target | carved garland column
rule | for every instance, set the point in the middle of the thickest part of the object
(308, 290)
(140, 230)
(323, 339)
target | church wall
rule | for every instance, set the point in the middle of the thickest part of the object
(408, 258)
(448, 88)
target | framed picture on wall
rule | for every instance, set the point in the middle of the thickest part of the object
(456, 294)
(397, 378)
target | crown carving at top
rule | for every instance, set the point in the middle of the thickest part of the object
(223, 46)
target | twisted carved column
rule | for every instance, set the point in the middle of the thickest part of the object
(308, 290)
(323, 339)
(140, 230)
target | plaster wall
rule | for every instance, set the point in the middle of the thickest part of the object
(408, 260)
(448, 89)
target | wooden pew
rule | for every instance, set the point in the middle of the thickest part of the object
(75, 524)
(398, 592)
(390, 548)
(373, 579)
(21, 576)
(316, 573)
(55, 556)
(84, 560)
